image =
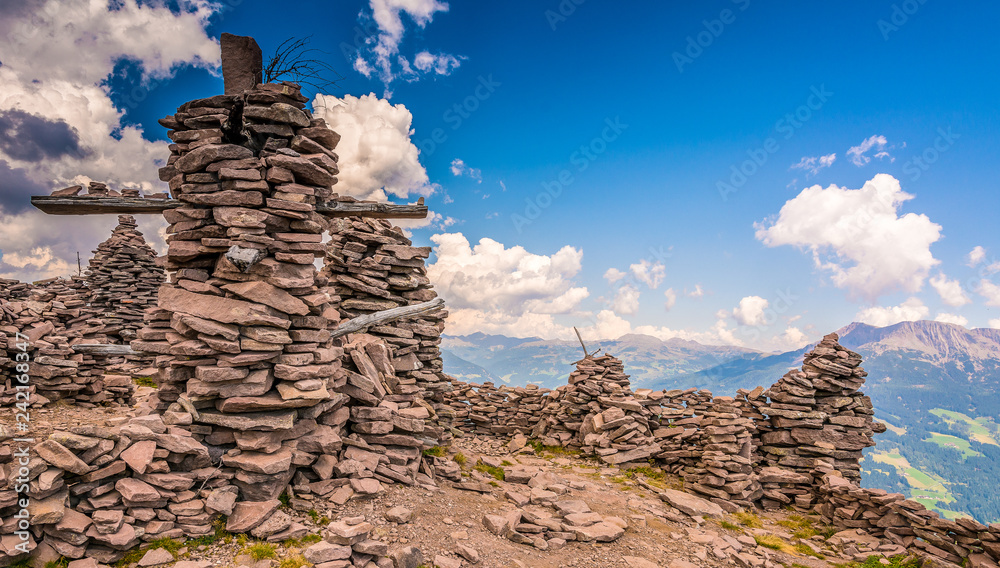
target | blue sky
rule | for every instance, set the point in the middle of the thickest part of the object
(635, 116)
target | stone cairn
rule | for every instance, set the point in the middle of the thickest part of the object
(817, 422)
(372, 266)
(54, 315)
(599, 414)
(123, 279)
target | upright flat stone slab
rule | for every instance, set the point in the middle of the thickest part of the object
(242, 63)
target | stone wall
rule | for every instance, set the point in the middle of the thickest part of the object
(908, 523)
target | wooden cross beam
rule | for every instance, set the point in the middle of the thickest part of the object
(87, 205)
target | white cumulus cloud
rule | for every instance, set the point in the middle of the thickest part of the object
(880, 316)
(490, 276)
(751, 310)
(377, 157)
(951, 291)
(626, 300)
(57, 56)
(994, 323)
(990, 291)
(671, 298)
(976, 255)
(952, 318)
(613, 275)
(649, 273)
(858, 236)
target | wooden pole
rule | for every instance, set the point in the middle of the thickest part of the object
(79, 267)
(585, 354)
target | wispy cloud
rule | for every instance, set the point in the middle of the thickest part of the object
(459, 169)
(877, 142)
(813, 164)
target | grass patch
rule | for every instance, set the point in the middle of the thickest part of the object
(803, 548)
(321, 520)
(261, 550)
(135, 555)
(219, 534)
(145, 382)
(506, 463)
(460, 459)
(901, 561)
(297, 561)
(773, 542)
(436, 451)
(654, 476)
(730, 526)
(63, 562)
(750, 520)
(541, 449)
(301, 542)
(493, 471)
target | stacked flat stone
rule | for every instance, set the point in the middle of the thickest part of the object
(367, 435)
(599, 414)
(487, 410)
(679, 431)
(726, 457)
(98, 189)
(123, 278)
(908, 524)
(374, 267)
(242, 328)
(817, 422)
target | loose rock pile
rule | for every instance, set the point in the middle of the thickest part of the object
(817, 422)
(547, 518)
(123, 279)
(97, 492)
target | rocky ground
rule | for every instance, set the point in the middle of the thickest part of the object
(647, 522)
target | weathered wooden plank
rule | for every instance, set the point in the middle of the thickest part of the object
(362, 322)
(350, 326)
(101, 205)
(134, 206)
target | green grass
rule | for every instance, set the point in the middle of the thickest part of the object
(901, 561)
(218, 534)
(460, 459)
(63, 562)
(436, 451)
(977, 431)
(321, 520)
(541, 449)
(506, 463)
(804, 527)
(145, 382)
(803, 548)
(297, 561)
(773, 542)
(135, 555)
(750, 520)
(493, 471)
(730, 526)
(955, 443)
(261, 550)
(300, 542)
(654, 476)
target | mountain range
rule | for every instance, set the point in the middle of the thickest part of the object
(936, 385)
